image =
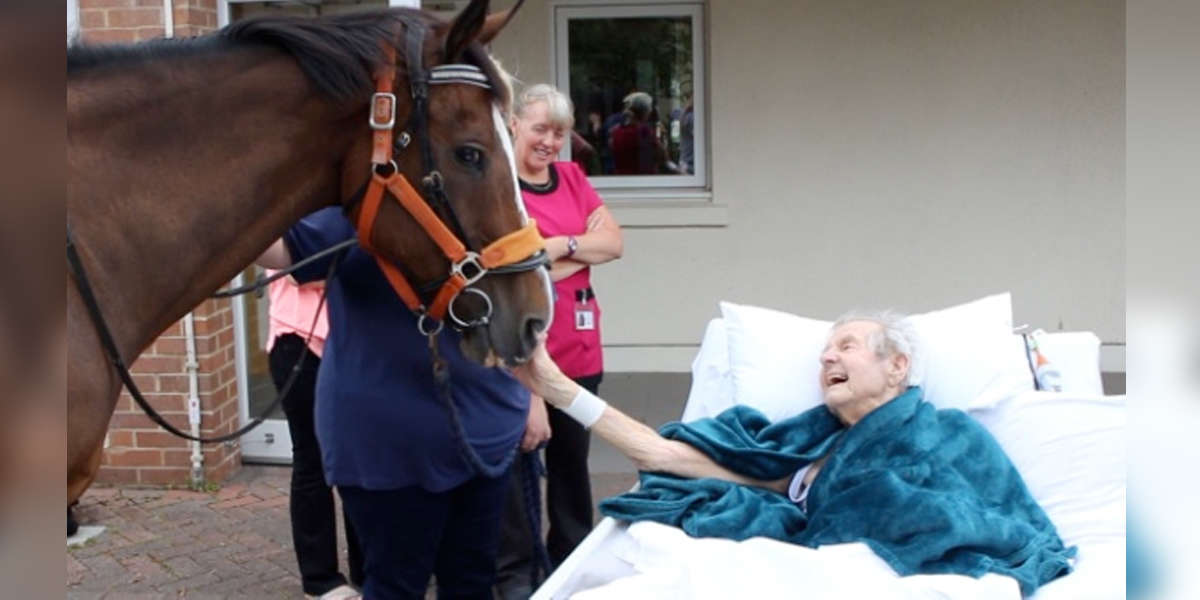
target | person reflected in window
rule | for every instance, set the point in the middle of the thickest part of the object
(583, 153)
(687, 143)
(634, 141)
(606, 126)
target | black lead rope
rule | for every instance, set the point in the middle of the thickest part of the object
(531, 490)
(441, 377)
(263, 282)
(531, 474)
(114, 355)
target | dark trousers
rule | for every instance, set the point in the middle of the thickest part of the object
(314, 522)
(410, 533)
(568, 502)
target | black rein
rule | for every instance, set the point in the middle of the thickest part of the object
(114, 355)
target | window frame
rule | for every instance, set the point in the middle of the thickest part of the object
(565, 12)
(72, 21)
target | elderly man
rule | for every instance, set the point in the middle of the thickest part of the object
(929, 491)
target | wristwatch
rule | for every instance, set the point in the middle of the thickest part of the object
(572, 245)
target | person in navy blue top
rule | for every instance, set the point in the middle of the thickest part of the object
(385, 433)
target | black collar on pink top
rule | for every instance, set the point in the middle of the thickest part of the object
(542, 188)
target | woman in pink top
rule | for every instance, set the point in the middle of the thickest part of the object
(580, 232)
(314, 523)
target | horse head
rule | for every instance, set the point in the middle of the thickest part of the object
(447, 217)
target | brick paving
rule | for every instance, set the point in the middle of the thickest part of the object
(232, 543)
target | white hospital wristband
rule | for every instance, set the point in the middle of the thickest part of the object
(585, 408)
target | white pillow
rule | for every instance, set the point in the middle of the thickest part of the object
(1076, 355)
(712, 383)
(1070, 450)
(774, 359)
(971, 359)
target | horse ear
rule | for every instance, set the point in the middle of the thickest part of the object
(465, 29)
(496, 22)
(474, 24)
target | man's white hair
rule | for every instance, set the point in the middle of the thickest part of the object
(896, 335)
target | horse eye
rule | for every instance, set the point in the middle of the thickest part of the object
(469, 156)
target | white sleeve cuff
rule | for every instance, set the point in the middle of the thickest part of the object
(585, 408)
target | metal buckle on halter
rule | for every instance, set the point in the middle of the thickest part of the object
(383, 111)
(383, 169)
(419, 88)
(469, 269)
(459, 322)
(425, 329)
(433, 182)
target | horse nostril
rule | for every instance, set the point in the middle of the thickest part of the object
(529, 335)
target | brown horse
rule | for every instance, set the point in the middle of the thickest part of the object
(187, 159)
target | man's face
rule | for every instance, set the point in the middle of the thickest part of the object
(850, 370)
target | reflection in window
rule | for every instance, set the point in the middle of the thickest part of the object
(632, 79)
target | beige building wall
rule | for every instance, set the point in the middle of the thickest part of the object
(910, 154)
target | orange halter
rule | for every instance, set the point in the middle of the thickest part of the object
(524, 245)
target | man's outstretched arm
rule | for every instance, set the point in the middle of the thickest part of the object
(648, 450)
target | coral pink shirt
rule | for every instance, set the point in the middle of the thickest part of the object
(292, 308)
(562, 208)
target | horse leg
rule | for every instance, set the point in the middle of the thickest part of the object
(78, 481)
(92, 388)
(81, 476)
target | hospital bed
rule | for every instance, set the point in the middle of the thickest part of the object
(1069, 447)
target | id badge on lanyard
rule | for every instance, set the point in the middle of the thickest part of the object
(585, 316)
(585, 319)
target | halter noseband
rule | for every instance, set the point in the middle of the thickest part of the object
(521, 250)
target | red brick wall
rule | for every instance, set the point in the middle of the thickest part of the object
(194, 17)
(125, 21)
(140, 452)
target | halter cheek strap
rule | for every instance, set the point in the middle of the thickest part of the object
(466, 267)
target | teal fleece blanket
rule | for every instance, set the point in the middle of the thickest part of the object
(930, 491)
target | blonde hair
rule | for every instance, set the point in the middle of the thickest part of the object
(559, 108)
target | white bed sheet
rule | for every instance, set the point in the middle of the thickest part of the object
(650, 560)
(653, 561)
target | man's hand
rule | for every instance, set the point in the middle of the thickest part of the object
(544, 378)
(537, 425)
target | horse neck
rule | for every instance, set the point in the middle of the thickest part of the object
(183, 171)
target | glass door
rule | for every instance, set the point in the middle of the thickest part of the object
(269, 442)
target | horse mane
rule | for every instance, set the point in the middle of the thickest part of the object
(83, 57)
(339, 54)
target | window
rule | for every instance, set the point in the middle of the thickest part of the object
(635, 74)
